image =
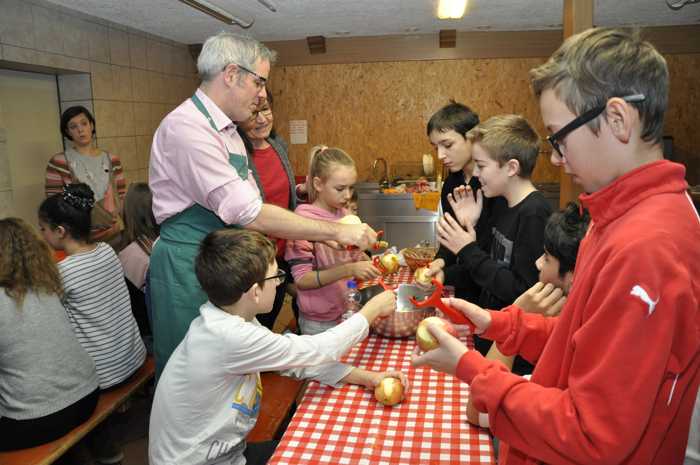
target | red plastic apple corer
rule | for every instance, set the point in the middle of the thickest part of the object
(386, 286)
(435, 300)
(376, 246)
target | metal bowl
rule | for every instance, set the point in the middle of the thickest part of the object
(405, 320)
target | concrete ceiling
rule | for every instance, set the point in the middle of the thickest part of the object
(296, 19)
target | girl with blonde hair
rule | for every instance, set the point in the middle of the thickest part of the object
(320, 271)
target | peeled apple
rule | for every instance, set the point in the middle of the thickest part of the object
(350, 219)
(421, 276)
(389, 391)
(425, 340)
(390, 262)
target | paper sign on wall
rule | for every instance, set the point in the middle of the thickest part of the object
(298, 131)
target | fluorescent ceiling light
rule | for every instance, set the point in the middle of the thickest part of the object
(218, 13)
(451, 9)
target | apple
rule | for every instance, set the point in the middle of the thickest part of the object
(350, 219)
(390, 262)
(421, 276)
(425, 340)
(389, 391)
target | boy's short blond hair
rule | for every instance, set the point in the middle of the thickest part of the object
(597, 64)
(230, 261)
(508, 137)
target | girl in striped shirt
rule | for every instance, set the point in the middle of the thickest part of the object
(96, 298)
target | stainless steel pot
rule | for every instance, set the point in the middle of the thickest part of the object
(405, 320)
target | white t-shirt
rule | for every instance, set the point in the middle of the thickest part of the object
(208, 396)
(97, 302)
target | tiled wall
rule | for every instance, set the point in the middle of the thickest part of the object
(129, 79)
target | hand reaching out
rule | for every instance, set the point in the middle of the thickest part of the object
(363, 270)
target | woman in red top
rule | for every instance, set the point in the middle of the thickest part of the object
(268, 160)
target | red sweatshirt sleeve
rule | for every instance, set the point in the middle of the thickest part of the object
(517, 332)
(623, 355)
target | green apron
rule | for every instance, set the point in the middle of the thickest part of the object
(175, 293)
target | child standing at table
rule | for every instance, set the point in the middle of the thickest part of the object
(96, 298)
(504, 150)
(140, 232)
(320, 272)
(209, 394)
(618, 370)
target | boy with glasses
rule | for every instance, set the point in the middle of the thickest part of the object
(617, 371)
(209, 394)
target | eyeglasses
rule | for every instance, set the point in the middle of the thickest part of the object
(258, 80)
(556, 138)
(267, 112)
(281, 276)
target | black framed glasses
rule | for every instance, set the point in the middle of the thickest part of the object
(281, 276)
(259, 80)
(556, 138)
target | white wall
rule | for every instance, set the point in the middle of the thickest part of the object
(29, 115)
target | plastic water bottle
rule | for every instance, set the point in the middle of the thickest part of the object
(352, 299)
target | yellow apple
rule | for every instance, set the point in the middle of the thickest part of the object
(425, 340)
(350, 219)
(421, 276)
(390, 262)
(389, 391)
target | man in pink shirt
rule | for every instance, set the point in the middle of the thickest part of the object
(200, 181)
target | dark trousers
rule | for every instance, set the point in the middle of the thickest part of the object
(22, 434)
(258, 453)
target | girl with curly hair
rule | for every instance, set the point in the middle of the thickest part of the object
(48, 382)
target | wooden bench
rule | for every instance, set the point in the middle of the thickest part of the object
(279, 394)
(107, 403)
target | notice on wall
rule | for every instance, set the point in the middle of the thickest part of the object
(298, 131)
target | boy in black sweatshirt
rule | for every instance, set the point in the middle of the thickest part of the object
(504, 149)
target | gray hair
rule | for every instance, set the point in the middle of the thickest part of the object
(226, 48)
(595, 65)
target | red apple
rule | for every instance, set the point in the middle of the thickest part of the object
(390, 262)
(425, 340)
(389, 391)
(421, 276)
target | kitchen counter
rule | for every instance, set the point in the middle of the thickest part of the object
(395, 214)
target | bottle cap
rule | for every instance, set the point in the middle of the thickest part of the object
(351, 284)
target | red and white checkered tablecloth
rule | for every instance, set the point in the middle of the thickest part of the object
(348, 426)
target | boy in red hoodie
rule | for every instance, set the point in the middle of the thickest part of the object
(617, 371)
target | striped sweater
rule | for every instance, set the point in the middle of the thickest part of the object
(97, 302)
(58, 174)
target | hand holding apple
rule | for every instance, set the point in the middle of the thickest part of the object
(387, 263)
(350, 219)
(447, 355)
(425, 339)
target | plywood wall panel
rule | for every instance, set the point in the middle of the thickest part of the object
(683, 115)
(381, 109)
